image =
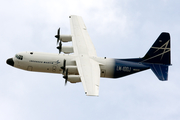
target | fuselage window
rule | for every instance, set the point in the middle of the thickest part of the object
(20, 57)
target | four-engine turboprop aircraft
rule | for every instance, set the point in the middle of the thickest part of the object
(84, 66)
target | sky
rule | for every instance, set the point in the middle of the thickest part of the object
(118, 29)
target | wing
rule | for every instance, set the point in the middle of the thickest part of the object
(88, 69)
(82, 43)
(89, 74)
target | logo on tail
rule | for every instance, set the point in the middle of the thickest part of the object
(160, 51)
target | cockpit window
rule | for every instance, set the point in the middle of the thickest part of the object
(20, 57)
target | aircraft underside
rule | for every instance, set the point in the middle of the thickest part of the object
(80, 63)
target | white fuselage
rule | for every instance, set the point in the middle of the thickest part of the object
(52, 63)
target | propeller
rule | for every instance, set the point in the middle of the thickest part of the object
(66, 77)
(64, 66)
(58, 39)
(58, 35)
(59, 47)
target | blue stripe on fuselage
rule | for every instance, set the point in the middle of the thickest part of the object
(124, 67)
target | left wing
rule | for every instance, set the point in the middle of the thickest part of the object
(89, 72)
(83, 48)
(81, 40)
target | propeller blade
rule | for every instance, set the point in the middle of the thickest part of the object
(58, 31)
(66, 77)
(64, 66)
(59, 47)
(58, 35)
(66, 82)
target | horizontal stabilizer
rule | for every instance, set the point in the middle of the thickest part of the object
(161, 71)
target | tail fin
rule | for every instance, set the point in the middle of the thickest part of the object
(160, 51)
(158, 58)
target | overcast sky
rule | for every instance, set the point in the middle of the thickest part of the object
(118, 29)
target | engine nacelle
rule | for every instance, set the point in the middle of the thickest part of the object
(74, 78)
(72, 69)
(66, 38)
(67, 49)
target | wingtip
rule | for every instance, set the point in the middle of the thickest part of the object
(95, 95)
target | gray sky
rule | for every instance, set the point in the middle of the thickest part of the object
(118, 29)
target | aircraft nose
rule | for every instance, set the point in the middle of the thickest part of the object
(10, 61)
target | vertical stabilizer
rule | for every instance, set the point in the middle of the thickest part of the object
(158, 58)
(160, 51)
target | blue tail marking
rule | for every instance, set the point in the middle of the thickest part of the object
(161, 71)
(158, 58)
(160, 52)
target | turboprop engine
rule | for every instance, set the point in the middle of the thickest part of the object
(67, 49)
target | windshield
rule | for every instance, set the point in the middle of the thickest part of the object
(20, 57)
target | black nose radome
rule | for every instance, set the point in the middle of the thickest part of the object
(10, 61)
